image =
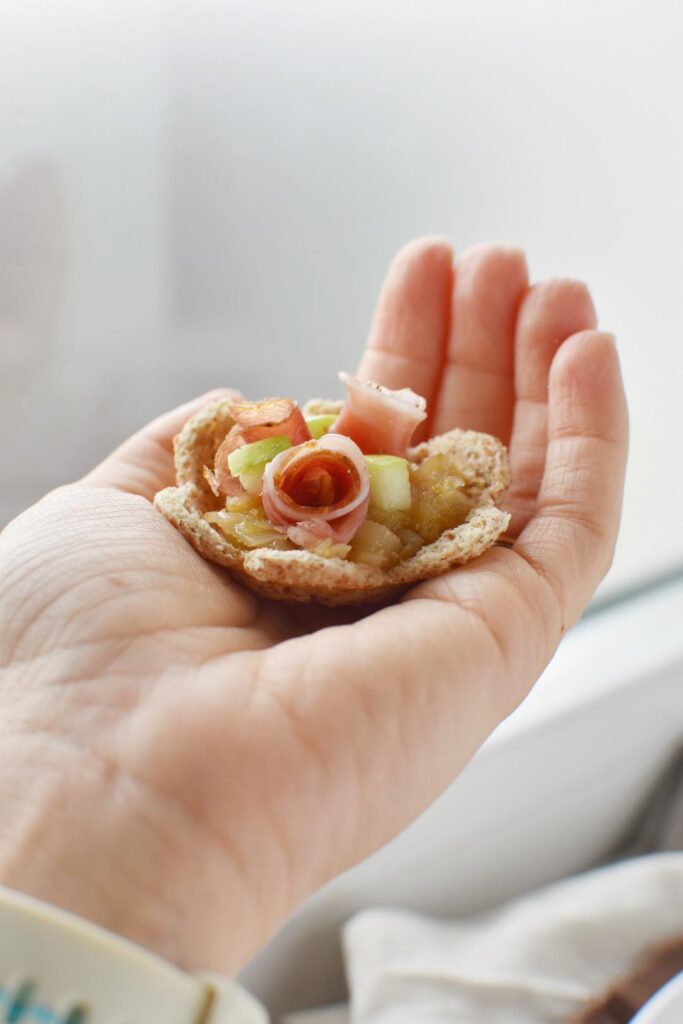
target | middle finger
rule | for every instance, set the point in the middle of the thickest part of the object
(477, 388)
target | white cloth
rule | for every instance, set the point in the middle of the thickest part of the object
(324, 1015)
(535, 961)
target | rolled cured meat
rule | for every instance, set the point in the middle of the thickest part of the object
(270, 418)
(255, 421)
(379, 420)
(318, 491)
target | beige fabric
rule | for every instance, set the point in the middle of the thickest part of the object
(537, 960)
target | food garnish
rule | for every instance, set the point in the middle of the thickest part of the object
(334, 491)
(335, 502)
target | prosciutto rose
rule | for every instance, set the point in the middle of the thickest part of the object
(318, 491)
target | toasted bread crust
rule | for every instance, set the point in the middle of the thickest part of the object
(303, 576)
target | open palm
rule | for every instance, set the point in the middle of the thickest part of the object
(184, 763)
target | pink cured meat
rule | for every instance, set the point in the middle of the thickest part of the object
(221, 480)
(340, 531)
(255, 421)
(318, 491)
(380, 421)
(272, 417)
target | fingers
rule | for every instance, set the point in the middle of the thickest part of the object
(477, 391)
(407, 341)
(392, 707)
(144, 463)
(570, 539)
(550, 313)
(388, 710)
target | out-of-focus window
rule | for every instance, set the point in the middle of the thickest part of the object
(199, 193)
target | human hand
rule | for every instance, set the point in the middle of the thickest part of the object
(183, 763)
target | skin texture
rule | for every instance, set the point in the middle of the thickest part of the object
(184, 763)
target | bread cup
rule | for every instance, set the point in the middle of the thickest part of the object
(304, 575)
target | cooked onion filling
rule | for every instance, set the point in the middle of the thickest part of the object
(386, 537)
(338, 485)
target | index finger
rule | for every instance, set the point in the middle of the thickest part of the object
(407, 343)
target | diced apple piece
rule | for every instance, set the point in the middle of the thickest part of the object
(439, 498)
(328, 549)
(249, 462)
(252, 479)
(319, 425)
(389, 482)
(256, 454)
(394, 519)
(258, 533)
(245, 503)
(373, 544)
(411, 541)
(247, 529)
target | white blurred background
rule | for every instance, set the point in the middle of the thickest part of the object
(199, 193)
(207, 192)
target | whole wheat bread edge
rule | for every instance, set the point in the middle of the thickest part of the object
(303, 576)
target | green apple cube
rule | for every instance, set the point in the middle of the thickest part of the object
(319, 425)
(252, 479)
(256, 454)
(389, 482)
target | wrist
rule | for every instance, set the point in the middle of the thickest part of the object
(81, 833)
(71, 836)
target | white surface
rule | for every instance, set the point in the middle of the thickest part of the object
(666, 1007)
(556, 789)
(539, 960)
(199, 192)
(326, 1015)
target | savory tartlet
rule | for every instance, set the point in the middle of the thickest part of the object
(332, 503)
